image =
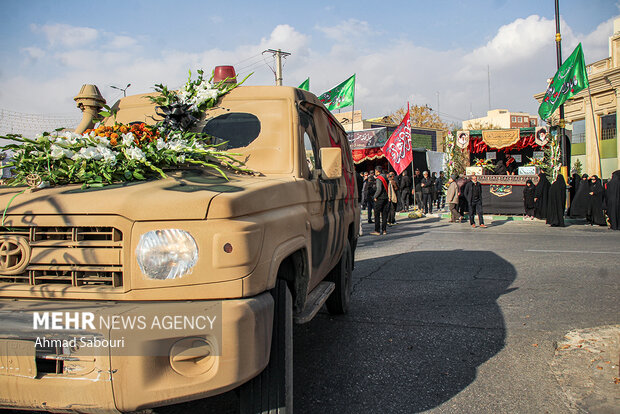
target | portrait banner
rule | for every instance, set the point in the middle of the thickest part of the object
(462, 139)
(541, 136)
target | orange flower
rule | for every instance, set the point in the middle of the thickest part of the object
(124, 129)
(113, 141)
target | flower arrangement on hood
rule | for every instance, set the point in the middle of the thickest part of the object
(125, 152)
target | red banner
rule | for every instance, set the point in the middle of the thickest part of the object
(397, 149)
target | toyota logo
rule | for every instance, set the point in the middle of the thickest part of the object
(14, 255)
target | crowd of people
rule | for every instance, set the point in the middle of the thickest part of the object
(385, 194)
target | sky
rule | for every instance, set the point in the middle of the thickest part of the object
(438, 53)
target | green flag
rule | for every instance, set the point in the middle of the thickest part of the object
(340, 96)
(305, 85)
(568, 80)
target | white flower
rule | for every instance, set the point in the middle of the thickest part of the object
(69, 137)
(101, 141)
(87, 153)
(135, 153)
(107, 154)
(127, 139)
(160, 144)
(177, 145)
(182, 158)
(59, 152)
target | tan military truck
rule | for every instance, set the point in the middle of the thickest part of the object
(223, 266)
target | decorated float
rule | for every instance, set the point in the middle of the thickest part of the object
(504, 160)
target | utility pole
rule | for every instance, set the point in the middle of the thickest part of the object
(278, 55)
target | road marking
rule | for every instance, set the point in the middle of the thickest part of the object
(570, 251)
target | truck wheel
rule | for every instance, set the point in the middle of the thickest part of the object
(341, 275)
(272, 390)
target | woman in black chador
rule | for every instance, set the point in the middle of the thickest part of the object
(595, 214)
(528, 200)
(541, 195)
(573, 183)
(579, 205)
(557, 202)
(612, 197)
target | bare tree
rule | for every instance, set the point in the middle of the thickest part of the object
(421, 116)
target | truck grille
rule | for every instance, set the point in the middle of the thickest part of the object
(75, 256)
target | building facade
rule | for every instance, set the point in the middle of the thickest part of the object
(502, 118)
(591, 115)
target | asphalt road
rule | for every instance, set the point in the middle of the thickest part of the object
(450, 319)
(447, 318)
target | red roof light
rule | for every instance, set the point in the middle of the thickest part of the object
(224, 73)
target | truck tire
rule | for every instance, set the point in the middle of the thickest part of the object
(272, 390)
(342, 276)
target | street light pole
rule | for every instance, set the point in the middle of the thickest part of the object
(124, 90)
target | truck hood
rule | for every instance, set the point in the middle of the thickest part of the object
(184, 195)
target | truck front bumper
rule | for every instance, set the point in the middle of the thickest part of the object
(136, 368)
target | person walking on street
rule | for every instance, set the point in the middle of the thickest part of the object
(417, 181)
(381, 202)
(427, 184)
(612, 196)
(433, 188)
(528, 200)
(556, 205)
(369, 191)
(452, 198)
(441, 200)
(541, 196)
(461, 182)
(594, 214)
(405, 190)
(473, 195)
(393, 197)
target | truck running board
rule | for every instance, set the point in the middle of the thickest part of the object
(315, 301)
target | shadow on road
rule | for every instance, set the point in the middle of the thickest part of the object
(421, 324)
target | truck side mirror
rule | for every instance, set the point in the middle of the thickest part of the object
(331, 163)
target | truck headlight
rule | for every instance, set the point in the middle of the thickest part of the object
(166, 254)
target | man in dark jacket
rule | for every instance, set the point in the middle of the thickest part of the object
(382, 204)
(405, 190)
(427, 189)
(417, 180)
(473, 195)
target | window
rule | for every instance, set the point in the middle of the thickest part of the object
(514, 119)
(310, 149)
(519, 119)
(238, 128)
(608, 127)
(311, 146)
(533, 122)
(579, 132)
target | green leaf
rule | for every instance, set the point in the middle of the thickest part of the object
(138, 176)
